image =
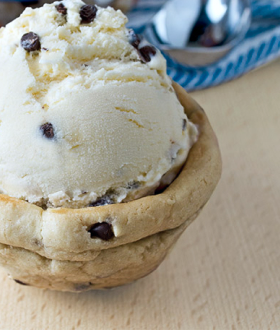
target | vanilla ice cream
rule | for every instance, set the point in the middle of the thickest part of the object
(88, 115)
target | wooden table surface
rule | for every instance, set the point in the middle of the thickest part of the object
(224, 272)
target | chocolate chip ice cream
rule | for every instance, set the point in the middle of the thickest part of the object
(88, 115)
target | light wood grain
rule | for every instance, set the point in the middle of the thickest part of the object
(224, 273)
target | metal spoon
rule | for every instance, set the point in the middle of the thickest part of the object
(199, 32)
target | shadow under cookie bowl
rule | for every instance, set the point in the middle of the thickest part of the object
(103, 161)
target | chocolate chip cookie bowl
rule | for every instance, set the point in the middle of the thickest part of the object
(103, 161)
(60, 249)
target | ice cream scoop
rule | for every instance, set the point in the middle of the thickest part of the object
(88, 114)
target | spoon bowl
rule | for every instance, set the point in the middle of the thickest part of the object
(198, 33)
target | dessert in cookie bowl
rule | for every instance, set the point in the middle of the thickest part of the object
(103, 161)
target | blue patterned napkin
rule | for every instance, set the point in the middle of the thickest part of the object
(261, 45)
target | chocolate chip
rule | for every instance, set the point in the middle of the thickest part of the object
(61, 9)
(184, 125)
(133, 185)
(30, 42)
(19, 282)
(147, 52)
(104, 200)
(87, 14)
(133, 38)
(102, 230)
(47, 130)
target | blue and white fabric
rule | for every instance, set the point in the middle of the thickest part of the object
(260, 46)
